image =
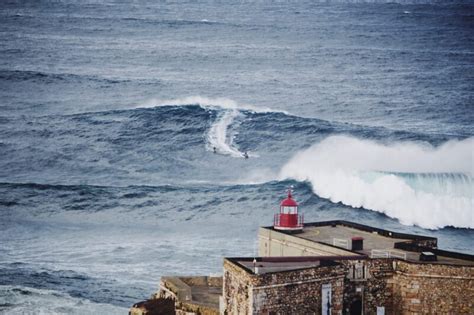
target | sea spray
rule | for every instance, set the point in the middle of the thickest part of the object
(414, 182)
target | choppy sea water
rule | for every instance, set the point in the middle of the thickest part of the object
(110, 111)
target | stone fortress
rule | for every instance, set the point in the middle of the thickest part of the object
(333, 267)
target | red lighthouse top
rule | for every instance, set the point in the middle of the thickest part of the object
(289, 201)
(288, 218)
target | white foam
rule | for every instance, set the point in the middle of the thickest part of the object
(23, 300)
(414, 182)
(218, 138)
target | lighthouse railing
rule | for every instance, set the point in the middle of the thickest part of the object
(277, 222)
(300, 220)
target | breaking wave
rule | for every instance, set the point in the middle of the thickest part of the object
(228, 110)
(416, 183)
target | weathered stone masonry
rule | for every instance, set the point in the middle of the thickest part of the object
(284, 292)
(433, 289)
(399, 287)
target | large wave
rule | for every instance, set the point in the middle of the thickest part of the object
(417, 183)
(228, 110)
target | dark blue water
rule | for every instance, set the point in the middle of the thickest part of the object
(110, 112)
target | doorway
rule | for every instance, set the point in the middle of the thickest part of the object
(356, 308)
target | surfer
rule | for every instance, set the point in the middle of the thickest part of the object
(246, 155)
(214, 149)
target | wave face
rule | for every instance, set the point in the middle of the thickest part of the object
(415, 183)
(221, 135)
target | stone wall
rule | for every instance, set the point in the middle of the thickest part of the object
(398, 286)
(411, 288)
(236, 289)
(286, 292)
(374, 290)
(433, 289)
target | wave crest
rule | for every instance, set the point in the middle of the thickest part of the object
(416, 183)
(206, 102)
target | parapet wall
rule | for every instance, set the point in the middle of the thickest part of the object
(275, 243)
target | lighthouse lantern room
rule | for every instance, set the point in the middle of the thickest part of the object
(288, 219)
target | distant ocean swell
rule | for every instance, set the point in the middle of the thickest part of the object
(16, 76)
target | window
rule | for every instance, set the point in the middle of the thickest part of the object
(358, 271)
(288, 210)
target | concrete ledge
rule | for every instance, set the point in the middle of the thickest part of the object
(193, 294)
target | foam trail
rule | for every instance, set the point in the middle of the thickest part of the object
(416, 183)
(217, 136)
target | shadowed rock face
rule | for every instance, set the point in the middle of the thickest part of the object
(160, 306)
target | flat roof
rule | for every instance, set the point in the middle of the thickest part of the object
(339, 233)
(377, 243)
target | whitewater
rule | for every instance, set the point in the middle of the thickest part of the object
(123, 127)
(413, 182)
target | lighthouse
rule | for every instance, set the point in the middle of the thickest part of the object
(288, 219)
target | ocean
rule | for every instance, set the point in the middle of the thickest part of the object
(110, 112)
